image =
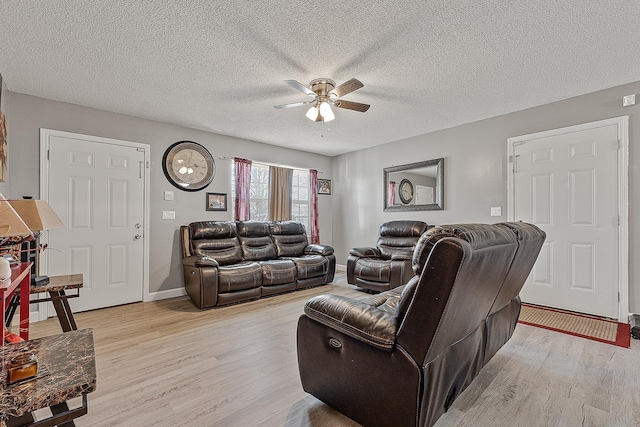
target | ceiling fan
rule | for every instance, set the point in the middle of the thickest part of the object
(325, 93)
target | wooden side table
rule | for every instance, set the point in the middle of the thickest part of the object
(20, 276)
(56, 288)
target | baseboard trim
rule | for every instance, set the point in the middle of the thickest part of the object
(169, 293)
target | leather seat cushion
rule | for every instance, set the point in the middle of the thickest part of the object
(244, 275)
(311, 266)
(278, 271)
(376, 270)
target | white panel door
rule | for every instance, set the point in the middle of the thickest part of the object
(567, 184)
(97, 189)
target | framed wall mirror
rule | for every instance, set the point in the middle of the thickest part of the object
(414, 187)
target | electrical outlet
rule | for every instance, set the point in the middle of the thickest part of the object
(168, 195)
(628, 100)
(168, 214)
(496, 211)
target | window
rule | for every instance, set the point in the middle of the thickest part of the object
(259, 194)
(300, 197)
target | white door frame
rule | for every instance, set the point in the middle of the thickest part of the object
(45, 134)
(623, 195)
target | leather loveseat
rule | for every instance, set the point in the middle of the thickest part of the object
(226, 262)
(401, 358)
(388, 265)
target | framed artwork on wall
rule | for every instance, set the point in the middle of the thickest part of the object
(324, 186)
(216, 201)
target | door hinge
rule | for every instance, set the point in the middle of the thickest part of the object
(514, 160)
(619, 144)
(618, 296)
(147, 165)
(618, 220)
(48, 151)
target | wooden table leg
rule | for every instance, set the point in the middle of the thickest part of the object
(25, 289)
(63, 310)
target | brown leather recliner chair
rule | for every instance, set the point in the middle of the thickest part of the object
(388, 265)
(402, 357)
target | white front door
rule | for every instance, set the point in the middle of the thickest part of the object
(97, 187)
(566, 182)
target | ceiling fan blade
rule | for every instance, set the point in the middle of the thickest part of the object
(293, 104)
(350, 105)
(347, 87)
(302, 88)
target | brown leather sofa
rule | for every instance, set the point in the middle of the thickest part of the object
(400, 358)
(226, 262)
(388, 265)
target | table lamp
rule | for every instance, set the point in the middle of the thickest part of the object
(38, 216)
(13, 229)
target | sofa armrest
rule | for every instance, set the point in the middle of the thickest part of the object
(199, 261)
(357, 319)
(318, 249)
(365, 252)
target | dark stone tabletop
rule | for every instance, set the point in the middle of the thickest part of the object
(68, 363)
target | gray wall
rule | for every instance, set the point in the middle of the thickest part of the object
(27, 114)
(475, 171)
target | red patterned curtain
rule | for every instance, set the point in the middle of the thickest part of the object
(315, 230)
(243, 181)
(392, 194)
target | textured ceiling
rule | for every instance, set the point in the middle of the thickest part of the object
(219, 65)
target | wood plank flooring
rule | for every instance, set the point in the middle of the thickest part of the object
(166, 363)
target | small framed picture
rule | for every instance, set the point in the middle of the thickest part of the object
(216, 201)
(324, 186)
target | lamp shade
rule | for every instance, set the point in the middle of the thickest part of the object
(312, 114)
(37, 214)
(11, 225)
(325, 111)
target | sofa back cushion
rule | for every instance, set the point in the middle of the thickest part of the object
(399, 237)
(462, 274)
(290, 238)
(255, 240)
(216, 239)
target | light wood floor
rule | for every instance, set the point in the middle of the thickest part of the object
(167, 363)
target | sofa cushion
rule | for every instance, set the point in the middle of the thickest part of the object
(290, 238)
(278, 271)
(243, 275)
(216, 239)
(311, 266)
(377, 270)
(477, 235)
(256, 241)
(399, 237)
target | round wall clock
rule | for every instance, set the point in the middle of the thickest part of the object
(188, 166)
(406, 191)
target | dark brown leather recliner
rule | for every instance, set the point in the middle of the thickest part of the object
(388, 265)
(402, 357)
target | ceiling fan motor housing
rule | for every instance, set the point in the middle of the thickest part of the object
(322, 87)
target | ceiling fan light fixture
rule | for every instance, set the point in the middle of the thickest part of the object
(312, 114)
(326, 112)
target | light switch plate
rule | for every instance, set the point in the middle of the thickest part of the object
(168, 195)
(628, 100)
(168, 214)
(496, 211)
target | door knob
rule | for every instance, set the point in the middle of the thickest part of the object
(137, 237)
(138, 225)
